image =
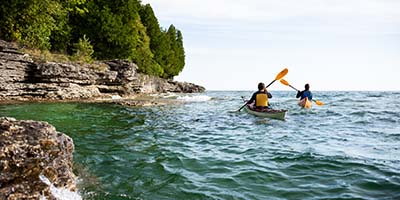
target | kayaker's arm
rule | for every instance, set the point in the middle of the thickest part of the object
(299, 94)
(253, 98)
(269, 95)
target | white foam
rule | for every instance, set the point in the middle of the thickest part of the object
(194, 98)
(170, 96)
(59, 193)
(116, 97)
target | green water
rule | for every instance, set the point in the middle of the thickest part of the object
(347, 149)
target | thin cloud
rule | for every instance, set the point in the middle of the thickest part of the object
(220, 17)
(264, 10)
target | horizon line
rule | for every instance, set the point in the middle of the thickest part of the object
(220, 90)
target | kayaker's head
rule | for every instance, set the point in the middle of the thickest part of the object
(261, 86)
(307, 87)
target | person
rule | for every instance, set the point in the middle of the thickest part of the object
(305, 93)
(260, 98)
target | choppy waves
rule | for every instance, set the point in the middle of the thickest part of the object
(196, 98)
(205, 149)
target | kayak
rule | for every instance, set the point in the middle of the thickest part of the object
(269, 113)
(305, 103)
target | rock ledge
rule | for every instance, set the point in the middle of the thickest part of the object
(23, 79)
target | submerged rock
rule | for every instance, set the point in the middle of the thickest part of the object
(29, 149)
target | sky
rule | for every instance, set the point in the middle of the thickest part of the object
(330, 44)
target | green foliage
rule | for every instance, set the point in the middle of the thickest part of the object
(122, 29)
(76, 6)
(173, 58)
(83, 50)
(111, 27)
(180, 52)
(167, 46)
(153, 29)
(31, 22)
(143, 55)
(61, 37)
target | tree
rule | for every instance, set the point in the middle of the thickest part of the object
(153, 29)
(62, 38)
(110, 27)
(174, 59)
(143, 55)
(31, 22)
(180, 52)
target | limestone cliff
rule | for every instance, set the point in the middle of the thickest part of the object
(23, 79)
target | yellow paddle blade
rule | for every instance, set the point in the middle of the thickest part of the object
(282, 74)
(320, 103)
(284, 82)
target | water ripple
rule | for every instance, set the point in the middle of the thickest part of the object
(347, 149)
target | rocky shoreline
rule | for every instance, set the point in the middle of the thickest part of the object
(34, 157)
(23, 80)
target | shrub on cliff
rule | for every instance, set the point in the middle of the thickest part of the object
(83, 50)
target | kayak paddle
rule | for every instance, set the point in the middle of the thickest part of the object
(278, 76)
(284, 82)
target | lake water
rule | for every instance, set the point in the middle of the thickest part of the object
(203, 149)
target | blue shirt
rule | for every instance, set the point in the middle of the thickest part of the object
(303, 94)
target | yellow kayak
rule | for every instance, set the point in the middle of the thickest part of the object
(305, 103)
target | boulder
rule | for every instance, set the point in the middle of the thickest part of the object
(29, 149)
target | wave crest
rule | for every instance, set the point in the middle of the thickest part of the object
(198, 98)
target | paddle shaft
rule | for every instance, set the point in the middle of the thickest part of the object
(293, 87)
(270, 83)
(242, 107)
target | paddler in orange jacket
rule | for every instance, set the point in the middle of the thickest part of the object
(260, 97)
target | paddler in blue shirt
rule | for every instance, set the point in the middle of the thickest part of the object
(260, 98)
(305, 93)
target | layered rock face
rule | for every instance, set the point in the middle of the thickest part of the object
(151, 84)
(23, 79)
(29, 149)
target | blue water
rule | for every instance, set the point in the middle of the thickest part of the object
(204, 149)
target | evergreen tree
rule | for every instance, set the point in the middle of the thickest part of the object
(174, 60)
(180, 52)
(159, 42)
(62, 39)
(143, 56)
(111, 27)
(168, 61)
(153, 29)
(162, 55)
